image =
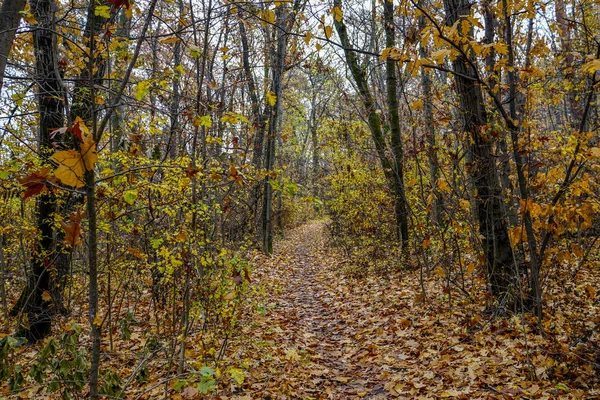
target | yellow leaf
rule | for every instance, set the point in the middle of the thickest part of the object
(29, 18)
(170, 39)
(395, 54)
(443, 185)
(205, 120)
(292, 355)
(142, 89)
(450, 393)
(470, 268)
(439, 271)
(97, 321)
(594, 152)
(439, 55)
(342, 379)
(195, 51)
(268, 16)
(328, 31)
(70, 169)
(385, 53)
(88, 152)
(46, 296)
(501, 48)
(233, 118)
(417, 104)
(271, 98)
(591, 67)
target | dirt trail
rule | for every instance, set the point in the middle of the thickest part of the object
(313, 318)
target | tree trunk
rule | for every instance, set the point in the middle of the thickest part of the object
(483, 170)
(10, 18)
(174, 129)
(400, 205)
(51, 112)
(536, 294)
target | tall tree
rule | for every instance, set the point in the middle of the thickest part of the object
(51, 117)
(483, 170)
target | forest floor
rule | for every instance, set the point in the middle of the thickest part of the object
(309, 330)
(322, 335)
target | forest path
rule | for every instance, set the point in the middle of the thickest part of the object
(322, 336)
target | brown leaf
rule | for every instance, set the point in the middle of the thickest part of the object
(189, 392)
(34, 183)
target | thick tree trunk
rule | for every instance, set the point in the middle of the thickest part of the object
(483, 170)
(51, 112)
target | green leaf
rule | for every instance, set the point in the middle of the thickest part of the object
(130, 196)
(156, 242)
(292, 188)
(206, 385)
(207, 371)
(180, 384)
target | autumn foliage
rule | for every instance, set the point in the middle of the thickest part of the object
(299, 199)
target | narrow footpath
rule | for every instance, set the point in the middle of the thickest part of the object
(322, 335)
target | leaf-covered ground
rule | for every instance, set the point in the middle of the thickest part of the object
(309, 331)
(318, 334)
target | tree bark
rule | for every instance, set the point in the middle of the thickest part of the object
(51, 117)
(483, 170)
(400, 205)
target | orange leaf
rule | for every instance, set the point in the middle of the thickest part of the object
(73, 229)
